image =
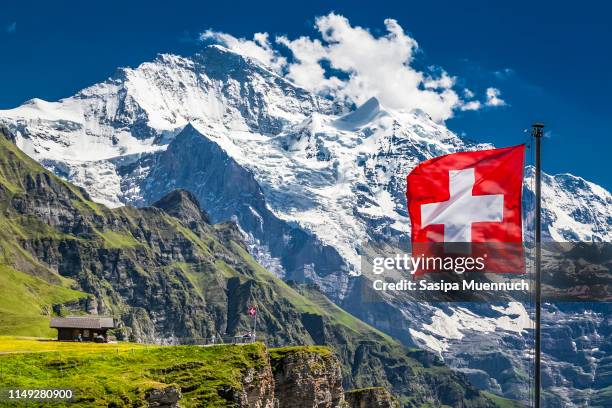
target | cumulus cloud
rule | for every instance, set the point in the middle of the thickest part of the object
(493, 97)
(471, 105)
(258, 48)
(351, 63)
(373, 66)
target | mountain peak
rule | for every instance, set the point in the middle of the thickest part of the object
(183, 205)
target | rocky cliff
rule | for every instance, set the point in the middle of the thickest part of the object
(307, 377)
(220, 376)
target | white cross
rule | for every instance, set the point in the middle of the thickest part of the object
(462, 208)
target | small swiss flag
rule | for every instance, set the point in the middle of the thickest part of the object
(252, 311)
(473, 199)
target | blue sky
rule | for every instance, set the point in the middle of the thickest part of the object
(550, 60)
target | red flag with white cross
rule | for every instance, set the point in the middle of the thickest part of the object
(472, 199)
(252, 311)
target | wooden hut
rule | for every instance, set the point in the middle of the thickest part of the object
(83, 328)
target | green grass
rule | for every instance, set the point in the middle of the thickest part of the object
(280, 352)
(121, 374)
(502, 402)
(307, 358)
(114, 239)
(26, 301)
(18, 344)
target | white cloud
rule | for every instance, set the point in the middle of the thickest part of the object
(373, 66)
(493, 98)
(471, 105)
(443, 81)
(363, 65)
(259, 48)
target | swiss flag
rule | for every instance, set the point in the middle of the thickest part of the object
(252, 311)
(470, 198)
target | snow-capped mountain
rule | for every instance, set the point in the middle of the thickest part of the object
(309, 159)
(309, 181)
(139, 110)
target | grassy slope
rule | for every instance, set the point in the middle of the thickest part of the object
(121, 374)
(312, 302)
(26, 297)
(26, 303)
(279, 352)
(503, 402)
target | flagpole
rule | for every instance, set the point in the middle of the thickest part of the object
(537, 131)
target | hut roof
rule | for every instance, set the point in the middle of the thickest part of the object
(82, 322)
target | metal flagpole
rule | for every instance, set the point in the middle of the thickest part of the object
(537, 131)
(252, 311)
(254, 327)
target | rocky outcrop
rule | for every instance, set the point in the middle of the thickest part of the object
(307, 378)
(182, 205)
(258, 391)
(375, 397)
(291, 377)
(167, 397)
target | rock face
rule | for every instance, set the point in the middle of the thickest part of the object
(258, 389)
(182, 205)
(163, 397)
(375, 397)
(307, 378)
(311, 377)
